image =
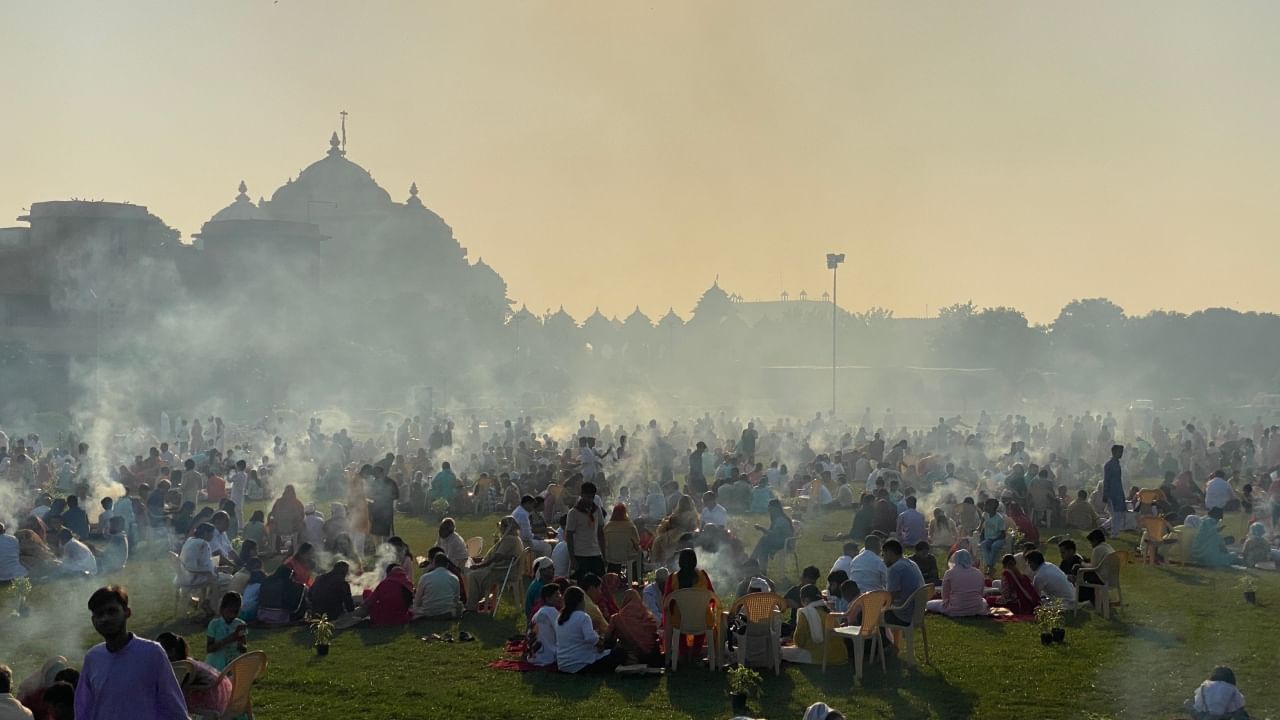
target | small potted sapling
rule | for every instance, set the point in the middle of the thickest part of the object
(22, 586)
(321, 632)
(1059, 629)
(744, 683)
(1045, 619)
(1250, 588)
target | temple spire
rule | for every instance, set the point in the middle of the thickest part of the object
(334, 150)
(243, 188)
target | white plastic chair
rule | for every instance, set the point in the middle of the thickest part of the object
(921, 598)
(1108, 572)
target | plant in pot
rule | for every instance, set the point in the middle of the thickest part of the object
(1059, 627)
(22, 586)
(321, 632)
(744, 683)
(1249, 586)
(1047, 617)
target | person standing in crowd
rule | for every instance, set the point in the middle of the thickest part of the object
(125, 676)
(584, 534)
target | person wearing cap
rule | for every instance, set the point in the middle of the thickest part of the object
(543, 573)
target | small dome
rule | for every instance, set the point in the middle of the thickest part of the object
(242, 208)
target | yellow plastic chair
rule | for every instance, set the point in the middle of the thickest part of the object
(1108, 572)
(243, 671)
(872, 604)
(921, 598)
(1155, 529)
(697, 610)
(763, 613)
(519, 574)
(630, 558)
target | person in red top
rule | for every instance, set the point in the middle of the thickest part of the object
(1017, 593)
(301, 562)
(1019, 517)
(389, 603)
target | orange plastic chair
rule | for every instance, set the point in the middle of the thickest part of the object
(763, 613)
(697, 611)
(872, 604)
(1155, 529)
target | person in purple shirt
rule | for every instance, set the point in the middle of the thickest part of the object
(125, 676)
(912, 524)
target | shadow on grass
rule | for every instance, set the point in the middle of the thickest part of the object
(906, 689)
(1185, 577)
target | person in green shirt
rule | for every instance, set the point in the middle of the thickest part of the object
(444, 484)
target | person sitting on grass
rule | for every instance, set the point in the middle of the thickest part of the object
(116, 552)
(437, 595)
(77, 558)
(543, 572)
(1208, 548)
(125, 676)
(654, 592)
(330, 594)
(10, 708)
(390, 601)
(810, 642)
(302, 561)
(962, 589)
(927, 563)
(1257, 549)
(636, 632)
(808, 576)
(541, 642)
(205, 690)
(255, 530)
(775, 536)
(281, 599)
(1017, 593)
(1218, 698)
(579, 648)
(592, 585)
(225, 638)
(834, 580)
(60, 700)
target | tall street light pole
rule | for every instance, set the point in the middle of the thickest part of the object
(833, 262)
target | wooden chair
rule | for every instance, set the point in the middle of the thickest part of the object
(697, 610)
(921, 598)
(872, 604)
(243, 671)
(1108, 573)
(763, 614)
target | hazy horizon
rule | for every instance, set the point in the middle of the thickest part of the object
(616, 155)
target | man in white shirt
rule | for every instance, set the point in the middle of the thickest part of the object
(1217, 492)
(544, 622)
(43, 504)
(1049, 580)
(713, 513)
(438, 592)
(11, 566)
(77, 558)
(867, 569)
(845, 562)
(455, 548)
(521, 516)
(312, 526)
(196, 566)
(239, 485)
(220, 543)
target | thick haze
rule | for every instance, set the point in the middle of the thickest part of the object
(621, 153)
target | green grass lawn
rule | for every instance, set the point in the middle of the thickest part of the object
(1177, 625)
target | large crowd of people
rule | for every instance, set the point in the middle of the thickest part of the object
(608, 523)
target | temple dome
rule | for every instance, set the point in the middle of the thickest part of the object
(332, 179)
(242, 208)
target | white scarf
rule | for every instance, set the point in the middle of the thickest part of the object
(814, 619)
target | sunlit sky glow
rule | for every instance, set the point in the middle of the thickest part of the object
(624, 153)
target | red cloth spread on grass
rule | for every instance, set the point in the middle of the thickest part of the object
(518, 663)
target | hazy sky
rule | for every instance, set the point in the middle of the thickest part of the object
(618, 153)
